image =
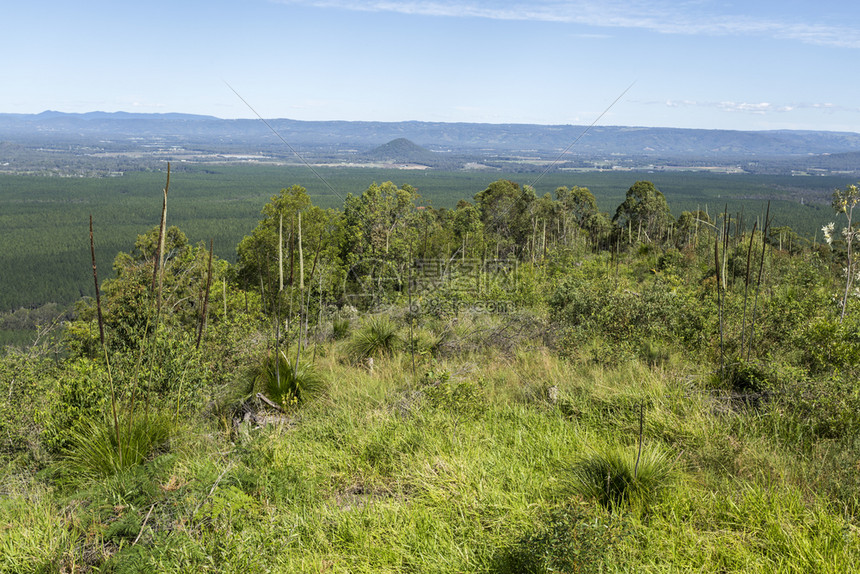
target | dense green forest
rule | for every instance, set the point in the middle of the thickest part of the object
(43, 220)
(568, 379)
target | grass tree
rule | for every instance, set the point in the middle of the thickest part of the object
(378, 337)
(844, 201)
(284, 383)
(616, 476)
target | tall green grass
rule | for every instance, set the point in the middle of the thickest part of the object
(98, 449)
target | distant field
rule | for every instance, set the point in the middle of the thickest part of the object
(43, 220)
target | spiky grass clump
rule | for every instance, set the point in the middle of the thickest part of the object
(285, 384)
(378, 337)
(340, 328)
(428, 343)
(98, 450)
(612, 477)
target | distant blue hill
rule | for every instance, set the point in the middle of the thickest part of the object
(464, 138)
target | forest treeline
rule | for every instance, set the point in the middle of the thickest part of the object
(43, 220)
(518, 383)
(386, 242)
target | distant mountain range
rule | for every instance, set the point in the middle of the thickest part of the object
(428, 142)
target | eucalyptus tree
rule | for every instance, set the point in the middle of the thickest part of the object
(506, 214)
(269, 257)
(644, 213)
(468, 227)
(380, 233)
(690, 225)
(578, 205)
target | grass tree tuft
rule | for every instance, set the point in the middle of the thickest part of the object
(97, 450)
(611, 476)
(286, 384)
(377, 337)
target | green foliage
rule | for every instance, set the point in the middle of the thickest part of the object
(80, 392)
(829, 346)
(578, 207)
(380, 224)
(285, 384)
(570, 539)
(259, 254)
(612, 477)
(742, 376)
(461, 396)
(644, 214)
(378, 337)
(427, 343)
(96, 450)
(692, 227)
(505, 212)
(24, 383)
(171, 370)
(652, 311)
(340, 328)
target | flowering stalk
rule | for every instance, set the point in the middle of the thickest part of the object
(844, 201)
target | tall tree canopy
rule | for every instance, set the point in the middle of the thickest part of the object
(644, 213)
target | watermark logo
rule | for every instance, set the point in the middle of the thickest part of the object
(438, 285)
(442, 306)
(465, 276)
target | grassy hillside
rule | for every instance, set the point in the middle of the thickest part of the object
(388, 474)
(675, 403)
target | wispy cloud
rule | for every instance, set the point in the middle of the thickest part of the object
(137, 104)
(758, 108)
(703, 17)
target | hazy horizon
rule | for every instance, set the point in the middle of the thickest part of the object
(749, 66)
(414, 120)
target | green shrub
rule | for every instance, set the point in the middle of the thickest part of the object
(829, 346)
(742, 376)
(378, 337)
(23, 384)
(285, 384)
(171, 370)
(654, 353)
(81, 392)
(427, 343)
(340, 329)
(96, 450)
(457, 396)
(611, 476)
(651, 311)
(568, 540)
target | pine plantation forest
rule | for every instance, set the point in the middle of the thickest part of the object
(582, 379)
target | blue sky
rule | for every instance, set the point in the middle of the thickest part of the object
(699, 63)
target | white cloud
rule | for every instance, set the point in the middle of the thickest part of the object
(663, 16)
(759, 108)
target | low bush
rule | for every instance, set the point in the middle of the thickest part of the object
(615, 476)
(570, 539)
(379, 336)
(98, 448)
(647, 312)
(340, 328)
(285, 383)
